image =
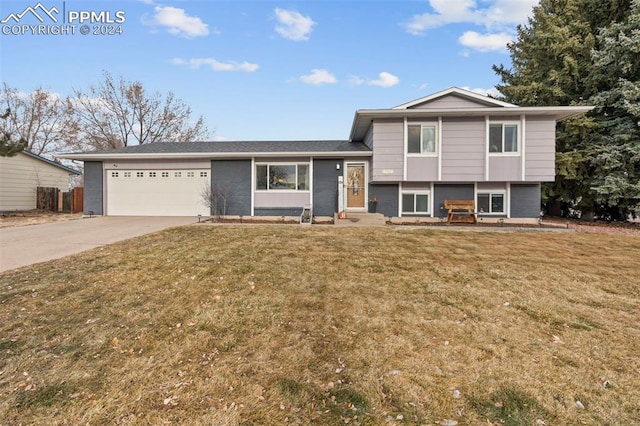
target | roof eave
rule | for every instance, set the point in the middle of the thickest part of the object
(358, 128)
(210, 155)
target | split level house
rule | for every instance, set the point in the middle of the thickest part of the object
(451, 145)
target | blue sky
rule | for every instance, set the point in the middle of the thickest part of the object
(267, 70)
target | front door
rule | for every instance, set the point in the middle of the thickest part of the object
(356, 186)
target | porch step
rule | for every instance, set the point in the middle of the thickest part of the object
(361, 219)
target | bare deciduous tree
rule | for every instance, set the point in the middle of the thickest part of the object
(39, 118)
(215, 197)
(116, 114)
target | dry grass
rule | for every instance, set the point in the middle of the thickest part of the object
(277, 324)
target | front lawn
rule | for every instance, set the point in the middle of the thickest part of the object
(223, 325)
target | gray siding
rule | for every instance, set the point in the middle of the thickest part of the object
(325, 186)
(280, 199)
(540, 145)
(282, 211)
(422, 168)
(234, 177)
(505, 168)
(387, 196)
(463, 150)
(93, 188)
(449, 192)
(525, 200)
(368, 138)
(388, 152)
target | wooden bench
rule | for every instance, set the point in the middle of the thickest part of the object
(460, 211)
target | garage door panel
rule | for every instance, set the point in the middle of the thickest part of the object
(156, 192)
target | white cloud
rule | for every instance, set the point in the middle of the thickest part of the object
(293, 25)
(498, 17)
(485, 92)
(319, 76)
(178, 22)
(216, 65)
(355, 81)
(485, 42)
(385, 79)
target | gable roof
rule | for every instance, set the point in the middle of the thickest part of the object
(476, 106)
(50, 162)
(482, 100)
(237, 149)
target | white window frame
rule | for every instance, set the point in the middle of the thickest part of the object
(127, 174)
(436, 136)
(491, 193)
(504, 123)
(288, 163)
(409, 191)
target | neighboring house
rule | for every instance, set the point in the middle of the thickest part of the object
(454, 144)
(21, 174)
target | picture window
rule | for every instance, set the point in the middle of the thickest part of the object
(274, 177)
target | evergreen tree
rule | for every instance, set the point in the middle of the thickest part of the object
(553, 64)
(616, 82)
(8, 147)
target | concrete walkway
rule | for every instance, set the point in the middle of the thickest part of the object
(26, 245)
(361, 219)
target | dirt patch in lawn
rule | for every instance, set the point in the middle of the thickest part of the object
(34, 217)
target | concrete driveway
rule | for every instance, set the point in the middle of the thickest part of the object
(26, 245)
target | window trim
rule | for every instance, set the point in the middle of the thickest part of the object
(409, 191)
(491, 193)
(281, 163)
(436, 136)
(504, 123)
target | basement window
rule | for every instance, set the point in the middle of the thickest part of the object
(177, 174)
(415, 203)
(114, 174)
(127, 174)
(165, 174)
(191, 174)
(139, 174)
(152, 174)
(203, 174)
(491, 203)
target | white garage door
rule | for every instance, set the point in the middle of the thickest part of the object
(156, 192)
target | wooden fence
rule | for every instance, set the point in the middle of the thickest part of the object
(52, 199)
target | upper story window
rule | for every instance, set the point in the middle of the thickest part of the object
(503, 138)
(293, 177)
(421, 139)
